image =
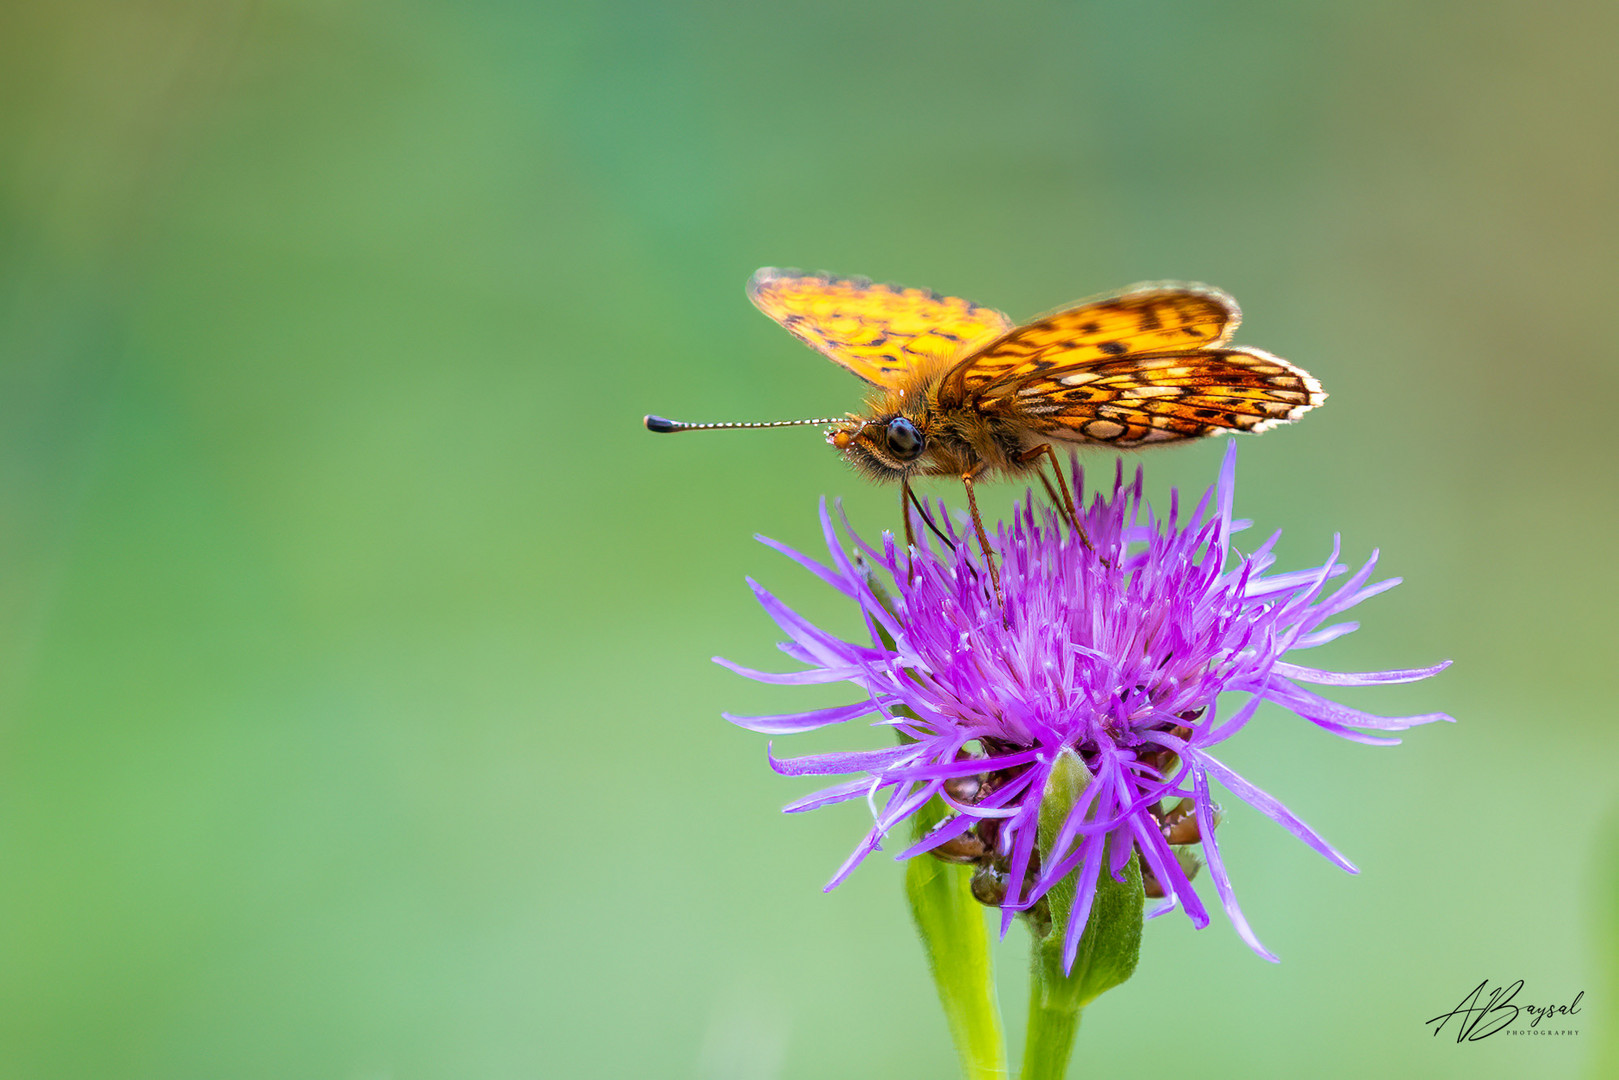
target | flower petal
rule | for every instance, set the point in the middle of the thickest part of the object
(849, 789)
(1217, 871)
(790, 723)
(1266, 804)
(871, 761)
(826, 574)
(1357, 678)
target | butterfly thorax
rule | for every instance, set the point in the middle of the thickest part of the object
(914, 430)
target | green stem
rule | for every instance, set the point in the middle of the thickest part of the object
(1109, 943)
(956, 940)
(1053, 1022)
(1055, 1001)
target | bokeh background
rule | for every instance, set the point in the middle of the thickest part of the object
(356, 712)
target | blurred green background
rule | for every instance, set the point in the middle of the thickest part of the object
(356, 715)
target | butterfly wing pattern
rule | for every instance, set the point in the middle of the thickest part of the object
(882, 333)
(1146, 365)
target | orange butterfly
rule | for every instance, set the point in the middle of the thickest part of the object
(960, 390)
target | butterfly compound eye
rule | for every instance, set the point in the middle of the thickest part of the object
(904, 441)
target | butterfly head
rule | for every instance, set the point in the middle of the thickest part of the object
(885, 448)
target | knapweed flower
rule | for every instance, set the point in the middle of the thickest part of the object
(1117, 650)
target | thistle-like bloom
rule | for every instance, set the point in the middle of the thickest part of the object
(1117, 650)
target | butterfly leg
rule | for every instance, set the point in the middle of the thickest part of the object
(1051, 492)
(983, 538)
(909, 493)
(906, 498)
(1067, 504)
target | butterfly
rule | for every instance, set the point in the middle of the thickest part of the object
(958, 389)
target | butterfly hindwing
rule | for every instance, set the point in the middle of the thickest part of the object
(882, 333)
(1160, 397)
(1153, 317)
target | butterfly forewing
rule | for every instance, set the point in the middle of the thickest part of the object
(1165, 317)
(882, 333)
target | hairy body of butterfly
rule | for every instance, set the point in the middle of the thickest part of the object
(911, 430)
(959, 390)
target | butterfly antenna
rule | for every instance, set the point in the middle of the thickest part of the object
(663, 424)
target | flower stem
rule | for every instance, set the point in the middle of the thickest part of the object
(1053, 1021)
(1055, 1001)
(1108, 946)
(951, 924)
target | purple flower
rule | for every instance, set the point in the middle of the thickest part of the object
(1118, 654)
